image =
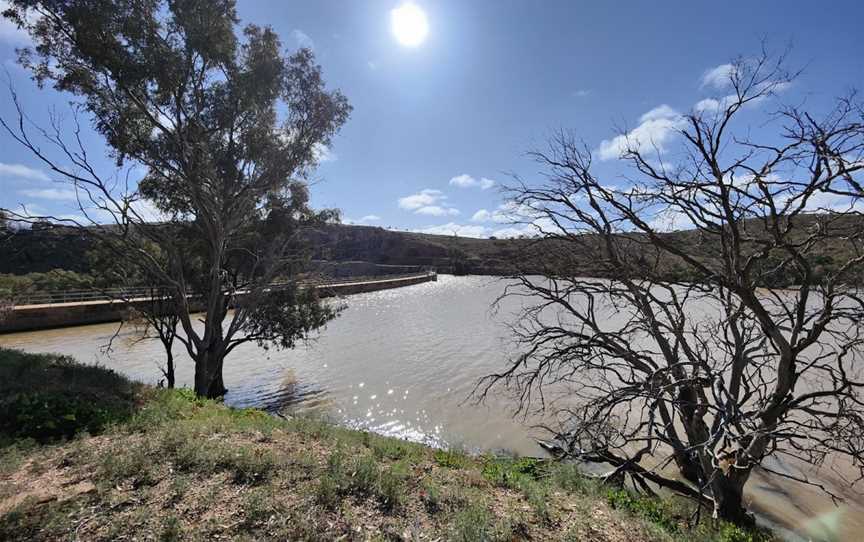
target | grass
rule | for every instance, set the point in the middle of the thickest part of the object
(361, 476)
(474, 523)
(164, 465)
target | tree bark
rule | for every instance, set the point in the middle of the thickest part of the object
(208, 374)
(728, 494)
(217, 384)
(169, 368)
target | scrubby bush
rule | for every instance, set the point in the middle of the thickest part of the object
(48, 397)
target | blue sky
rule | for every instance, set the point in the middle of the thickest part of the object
(439, 127)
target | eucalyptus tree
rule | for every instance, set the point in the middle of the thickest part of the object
(223, 125)
(687, 365)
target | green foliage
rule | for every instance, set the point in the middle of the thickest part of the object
(14, 453)
(249, 465)
(474, 523)
(650, 509)
(432, 497)
(191, 451)
(391, 489)
(119, 463)
(362, 476)
(328, 492)
(313, 427)
(722, 531)
(30, 521)
(259, 506)
(391, 448)
(537, 495)
(256, 118)
(199, 416)
(570, 478)
(451, 459)
(19, 286)
(172, 530)
(507, 472)
(48, 397)
(522, 474)
(48, 416)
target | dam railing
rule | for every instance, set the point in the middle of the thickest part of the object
(146, 292)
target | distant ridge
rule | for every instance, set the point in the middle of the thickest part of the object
(61, 247)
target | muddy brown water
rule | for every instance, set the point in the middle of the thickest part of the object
(403, 363)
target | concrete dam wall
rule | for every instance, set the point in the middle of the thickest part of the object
(52, 315)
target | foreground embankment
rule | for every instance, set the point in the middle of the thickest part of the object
(87, 454)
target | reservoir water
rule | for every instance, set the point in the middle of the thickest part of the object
(404, 362)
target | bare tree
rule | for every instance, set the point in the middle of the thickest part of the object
(156, 318)
(225, 126)
(699, 354)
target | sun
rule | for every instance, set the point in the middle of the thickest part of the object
(409, 25)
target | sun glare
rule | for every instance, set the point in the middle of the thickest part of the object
(409, 24)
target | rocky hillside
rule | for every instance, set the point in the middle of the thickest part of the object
(32, 251)
(66, 248)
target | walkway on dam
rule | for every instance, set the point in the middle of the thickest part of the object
(33, 316)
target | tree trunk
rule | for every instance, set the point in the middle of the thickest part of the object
(208, 375)
(217, 384)
(169, 368)
(728, 494)
(688, 467)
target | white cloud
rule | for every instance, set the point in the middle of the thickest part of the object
(478, 231)
(370, 218)
(463, 181)
(428, 202)
(9, 31)
(661, 112)
(505, 233)
(452, 228)
(828, 202)
(710, 105)
(507, 213)
(372, 65)
(425, 197)
(481, 215)
(719, 104)
(582, 93)
(323, 153)
(670, 220)
(303, 39)
(147, 211)
(656, 128)
(21, 171)
(57, 194)
(467, 181)
(718, 76)
(437, 210)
